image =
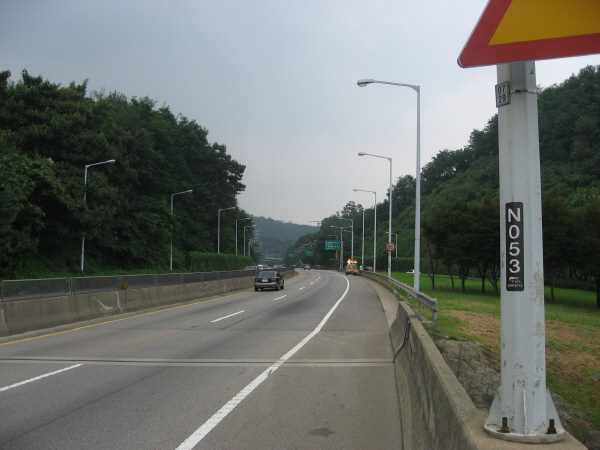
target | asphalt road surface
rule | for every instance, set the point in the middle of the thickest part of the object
(307, 367)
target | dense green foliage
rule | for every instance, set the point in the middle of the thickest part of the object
(460, 199)
(49, 133)
(211, 262)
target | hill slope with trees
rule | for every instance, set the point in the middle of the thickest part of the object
(460, 199)
(276, 236)
(49, 133)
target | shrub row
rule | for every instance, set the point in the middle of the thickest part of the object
(213, 262)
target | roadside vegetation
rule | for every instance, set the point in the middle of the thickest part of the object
(166, 185)
(572, 335)
(460, 215)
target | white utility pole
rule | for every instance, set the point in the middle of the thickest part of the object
(522, 409)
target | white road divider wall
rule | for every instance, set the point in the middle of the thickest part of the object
(40, 313)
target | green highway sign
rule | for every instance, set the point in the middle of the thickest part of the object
(332, 245)
(290, 255)
(309, 253)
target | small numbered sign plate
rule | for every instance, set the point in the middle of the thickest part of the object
(502, 94)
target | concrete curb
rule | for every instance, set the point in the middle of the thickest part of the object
(435, 410)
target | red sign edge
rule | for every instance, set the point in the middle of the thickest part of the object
(483, 32)
(478, 52)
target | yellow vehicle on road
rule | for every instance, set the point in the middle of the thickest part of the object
(351, 267)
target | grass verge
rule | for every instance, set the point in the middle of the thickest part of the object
(572, 334)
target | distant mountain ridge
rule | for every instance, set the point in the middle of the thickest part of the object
(277, 236)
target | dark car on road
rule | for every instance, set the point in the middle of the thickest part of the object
(268, 280)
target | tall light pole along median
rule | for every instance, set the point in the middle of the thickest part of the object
(173, 195)
(341, 243)
(417, 89)
(236, 232)
(110, 161)
(249, 226)
(390, 214)
(352, 247)
(374, 229)
(219, 228)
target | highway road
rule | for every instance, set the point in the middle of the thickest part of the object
(307, 367)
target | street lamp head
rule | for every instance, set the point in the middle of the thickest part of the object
(363, 83)
(361, 154)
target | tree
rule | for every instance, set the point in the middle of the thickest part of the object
(403, 194)
(436, 226)
(485, 220)
(587, 219)
(29, 190)
(54, 131)
(559, 237)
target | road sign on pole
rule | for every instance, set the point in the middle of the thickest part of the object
(522, 30)
(513, 34)
(390, 247)
(332, 245)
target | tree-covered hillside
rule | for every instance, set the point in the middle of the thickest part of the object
(49, 133)
(461, 187)
(276, 236)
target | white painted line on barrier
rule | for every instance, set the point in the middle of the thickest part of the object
(20, 383)
(199, 434)
(230, 315)
(279, 298)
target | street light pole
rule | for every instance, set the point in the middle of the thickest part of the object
(341, 243)
(362, 258)
(172, 195)
(219, 228)
(396, 238)
(390, 213)
(374, 229)
(236, 233)
(352, 247)
(417, 89)
(84, 200)
(249, 226)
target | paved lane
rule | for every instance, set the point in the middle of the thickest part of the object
(154, 379)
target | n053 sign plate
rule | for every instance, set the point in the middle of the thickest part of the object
(514, 247)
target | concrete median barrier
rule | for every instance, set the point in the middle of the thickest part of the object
(35, 314)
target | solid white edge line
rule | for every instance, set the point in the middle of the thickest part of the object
(230, 315)
(199, 434)
(20, 383)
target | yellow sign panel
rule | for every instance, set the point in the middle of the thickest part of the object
(521, 30)
(533, 20)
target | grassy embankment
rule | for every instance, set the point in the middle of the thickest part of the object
(572, 334)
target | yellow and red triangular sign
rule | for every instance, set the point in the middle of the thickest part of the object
(520, 30)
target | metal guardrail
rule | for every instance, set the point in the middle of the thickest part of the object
(13, 290)
(423, 299)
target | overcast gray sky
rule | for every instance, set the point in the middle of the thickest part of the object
(275, 81)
